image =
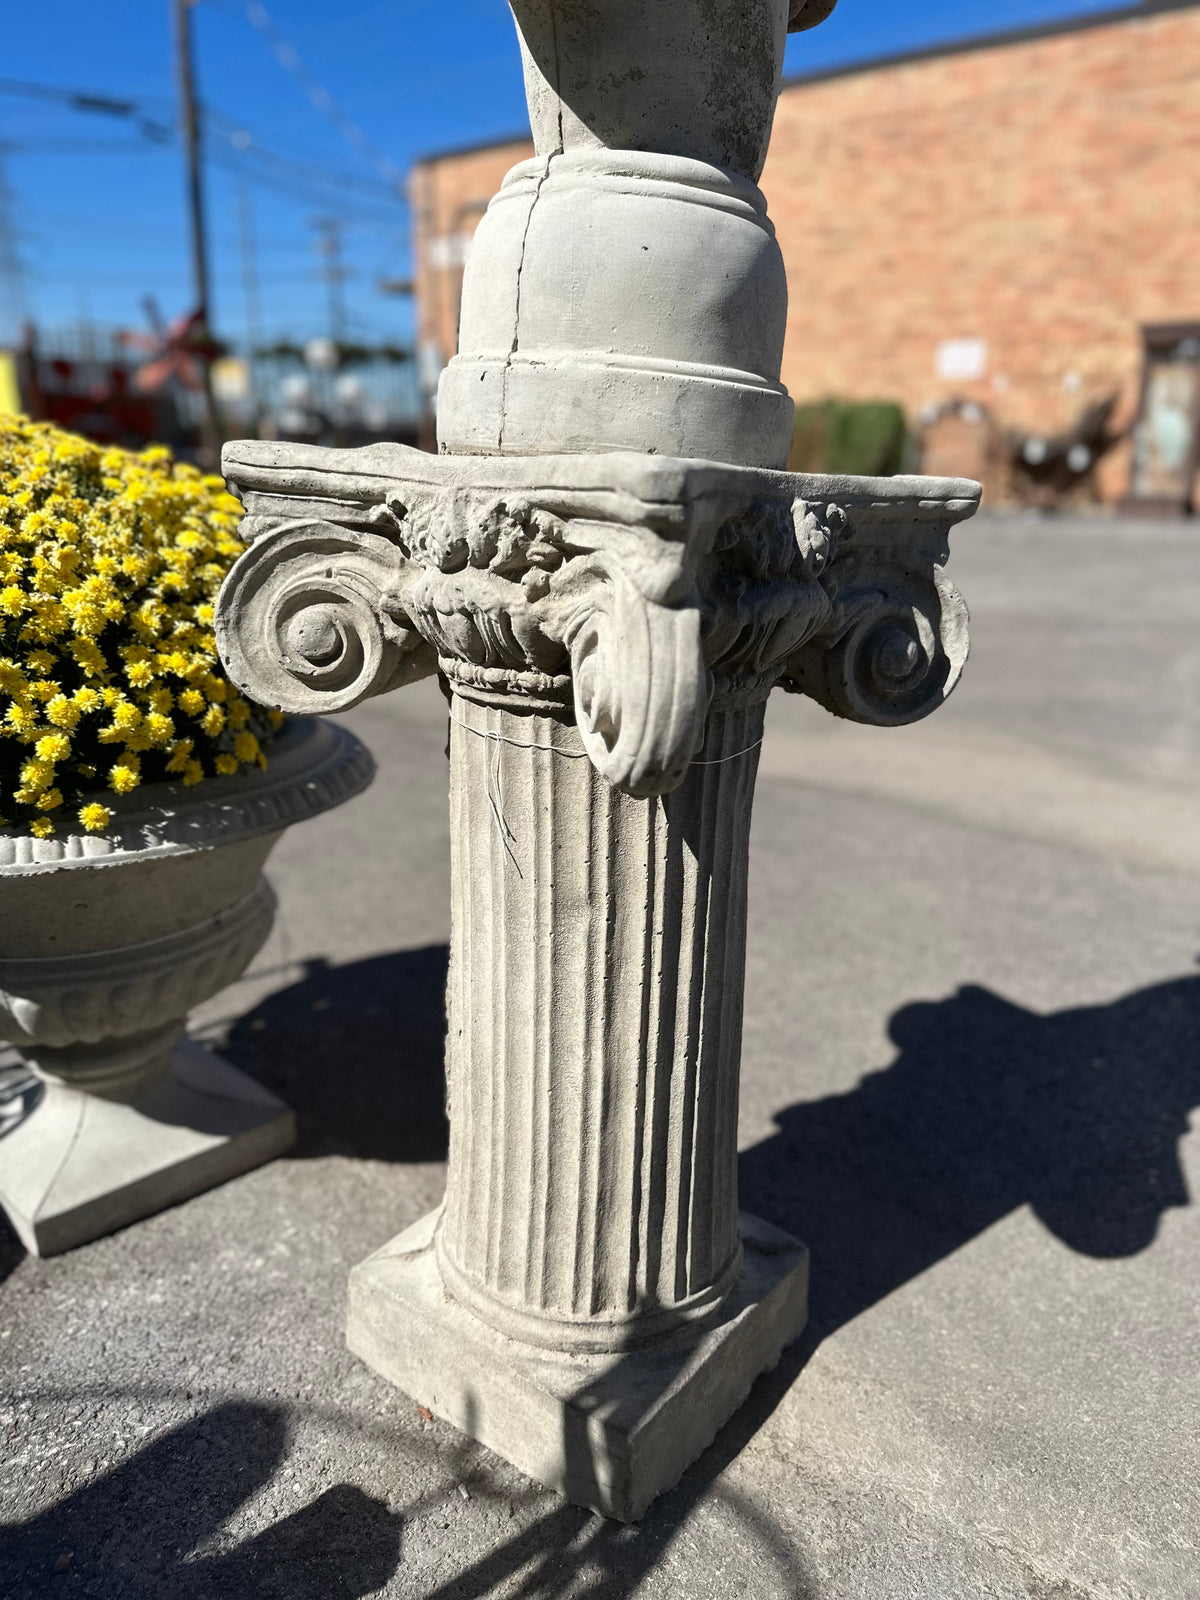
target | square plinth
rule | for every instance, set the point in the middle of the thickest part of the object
(611, 1432)
(76, 1166)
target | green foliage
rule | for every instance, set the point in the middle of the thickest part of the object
(848, 436)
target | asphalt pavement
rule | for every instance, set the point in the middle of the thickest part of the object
(972, 1050)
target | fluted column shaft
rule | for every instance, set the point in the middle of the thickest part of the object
(595, 1011)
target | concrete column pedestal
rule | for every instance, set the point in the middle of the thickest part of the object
(609, 573)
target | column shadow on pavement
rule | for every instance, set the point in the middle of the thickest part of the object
(987, 1107)
(131, 1534)
(572, 1554)
(357, 1051)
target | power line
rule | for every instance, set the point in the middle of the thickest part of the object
(85, 100)
(304, 192)
(319, 97)
(239, 152)
(249, 146)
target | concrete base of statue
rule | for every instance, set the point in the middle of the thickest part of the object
(611, 1430)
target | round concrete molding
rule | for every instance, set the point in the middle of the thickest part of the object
(619, 299)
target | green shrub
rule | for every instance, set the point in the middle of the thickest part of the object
(848, 436)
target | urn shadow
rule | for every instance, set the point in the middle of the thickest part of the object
(130, 1534)
(357, 1051)
(987, 1107)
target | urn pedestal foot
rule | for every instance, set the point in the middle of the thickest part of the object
(610, 1430)
(77, 1166)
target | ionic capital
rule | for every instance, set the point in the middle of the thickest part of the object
(622, 592)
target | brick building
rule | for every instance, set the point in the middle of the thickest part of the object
(976, 231)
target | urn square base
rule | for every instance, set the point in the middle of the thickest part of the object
(76, 1166)
(611, 1432)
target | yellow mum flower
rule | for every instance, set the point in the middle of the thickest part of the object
(63, 712)
(42, 828)
(124, 776)
(95, 817)
(89, 656)
(110, 563)
(22, 717)
(53, 747)
(12, 679)
(35, 775)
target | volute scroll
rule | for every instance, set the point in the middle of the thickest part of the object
(301, 624)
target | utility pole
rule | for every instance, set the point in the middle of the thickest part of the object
(250, 294)
(189, 129)
(329, 245)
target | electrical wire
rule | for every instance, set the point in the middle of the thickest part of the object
(86, 100)
(318, 96)
(239, 152)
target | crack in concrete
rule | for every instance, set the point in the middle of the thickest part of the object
(516, 334)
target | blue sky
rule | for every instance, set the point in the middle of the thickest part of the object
(97, 204)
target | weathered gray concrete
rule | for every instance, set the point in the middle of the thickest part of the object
(107, 943)
(972, 1047)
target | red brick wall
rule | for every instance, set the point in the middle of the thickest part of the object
(1042, 196)
(449, 195)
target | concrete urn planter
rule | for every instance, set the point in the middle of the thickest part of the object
(106, 943)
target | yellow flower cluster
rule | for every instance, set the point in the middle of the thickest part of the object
(109, 677)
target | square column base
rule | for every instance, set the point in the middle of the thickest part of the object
(612, 1431)
(77, 1167)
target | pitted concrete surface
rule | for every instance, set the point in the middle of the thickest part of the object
(972, 1049)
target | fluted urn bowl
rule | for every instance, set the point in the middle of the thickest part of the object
(106, 943)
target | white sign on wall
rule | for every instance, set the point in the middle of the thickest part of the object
(961, 359)
(448, 250)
